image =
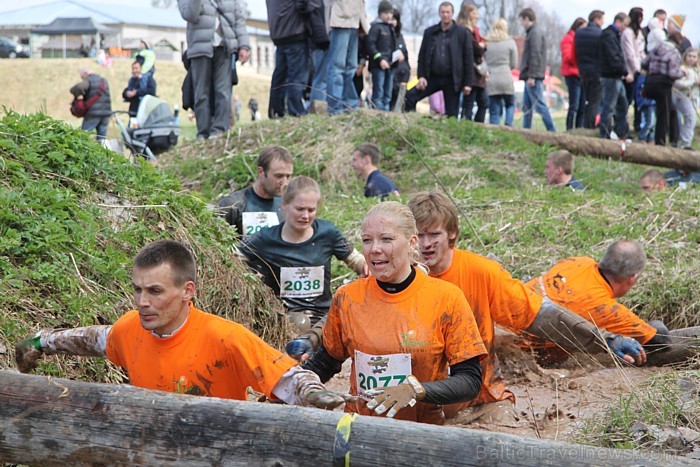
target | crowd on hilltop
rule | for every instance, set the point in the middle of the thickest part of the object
(324, 47)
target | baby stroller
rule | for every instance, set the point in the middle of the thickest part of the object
(154, 129)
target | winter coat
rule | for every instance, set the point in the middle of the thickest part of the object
(663, 64)
(318, 26)
(461, 53)
(633, 49)
(349, 14)
(687, 85)
(402, 70)
(145, 85)
(88, 88)
(533, 63)
(201, 21)
(586, 45)
(479, 80)
(610, 57)
(381, 43)
(288, 20)
(569, 65)
(501, 58)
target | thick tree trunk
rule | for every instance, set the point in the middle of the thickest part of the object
(648, 154)
(46, 421)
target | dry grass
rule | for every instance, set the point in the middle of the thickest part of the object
(41, 85)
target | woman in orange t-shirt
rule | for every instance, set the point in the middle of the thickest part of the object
(401, 328)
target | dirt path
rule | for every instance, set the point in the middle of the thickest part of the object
(550, 403)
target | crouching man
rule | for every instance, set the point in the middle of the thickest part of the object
(169, 345)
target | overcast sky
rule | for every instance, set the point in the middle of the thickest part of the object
(568, 10)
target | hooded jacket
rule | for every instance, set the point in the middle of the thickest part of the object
(201, 20)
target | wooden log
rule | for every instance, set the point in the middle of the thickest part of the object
(647, 154)
(46, 421)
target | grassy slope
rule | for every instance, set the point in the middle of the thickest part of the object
(35, 85)
(496, 179)
(73, 215)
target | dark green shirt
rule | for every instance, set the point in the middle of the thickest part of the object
(299, 273)
(233, 207)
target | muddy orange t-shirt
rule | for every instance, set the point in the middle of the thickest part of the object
(577, 284)
(208, 356)
(495, 298)
(429, 324)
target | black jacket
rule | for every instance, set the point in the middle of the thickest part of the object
(462, 54)
(288, 20)
(610, 56)
(381, 43)
(143, 86)
(586, 45)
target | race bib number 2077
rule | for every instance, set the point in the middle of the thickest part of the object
(380, 371)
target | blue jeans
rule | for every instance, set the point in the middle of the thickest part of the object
(577, 103)
(533, 101)
(289, 79)
(497, 103)
(382, 85)
(99, 124)
(648, 122)
(614, 97)
(342, 64)
(319, 58)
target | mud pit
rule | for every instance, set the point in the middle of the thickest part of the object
(551, 403)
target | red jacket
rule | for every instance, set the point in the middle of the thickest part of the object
(569, 66)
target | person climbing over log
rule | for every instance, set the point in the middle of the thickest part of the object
(169, 345)
(591, 289)
(497, 298)
(401, 328)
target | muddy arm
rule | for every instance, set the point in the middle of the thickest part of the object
(90, 341)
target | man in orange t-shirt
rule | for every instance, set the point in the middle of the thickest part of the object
(497, 298)
(169, 345)
(590, 290)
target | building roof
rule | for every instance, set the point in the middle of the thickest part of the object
(73, 26)
(109, 14)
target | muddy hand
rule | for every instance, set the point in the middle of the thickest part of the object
(395, 398)
(327, 400)
(28, 352)
(627, 349)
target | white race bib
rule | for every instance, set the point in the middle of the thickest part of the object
(303, 282)
(380, 371)
(255, 221)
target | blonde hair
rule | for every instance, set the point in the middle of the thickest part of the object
(402, 218)
(499, 30)
(298, 185)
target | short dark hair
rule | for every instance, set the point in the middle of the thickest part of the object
(620, 17)
(595, 14)
(446, 4)
(528, 13)
(136, 63)
(659, 12)
(172, 252)
(622, 260)
(272, 153)
(369, 149)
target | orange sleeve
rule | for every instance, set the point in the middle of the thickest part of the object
(333, 329)
(618, 319)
